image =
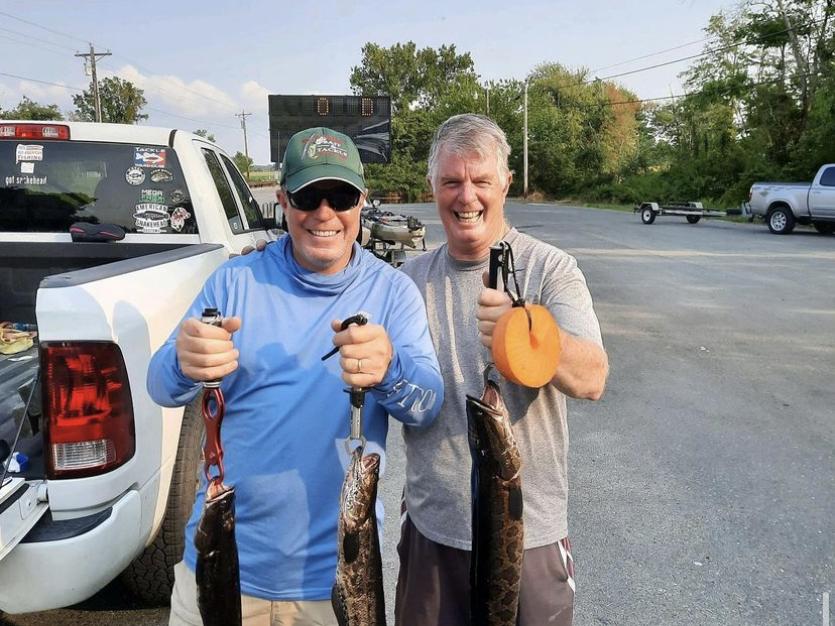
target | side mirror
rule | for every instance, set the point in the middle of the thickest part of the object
(270, 223)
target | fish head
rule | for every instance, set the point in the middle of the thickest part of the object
(359, 492)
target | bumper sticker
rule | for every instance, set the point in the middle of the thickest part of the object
(161, 176)
(149, 157)
(152, 195)
(150, 217)
(135, 175)
(28, 153)
(178, 218)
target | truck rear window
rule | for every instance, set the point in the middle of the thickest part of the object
(45, 186)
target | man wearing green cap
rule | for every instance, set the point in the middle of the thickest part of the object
(287, 416)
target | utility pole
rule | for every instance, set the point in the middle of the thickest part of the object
(94, 56)
(525, 145)
(243, 115)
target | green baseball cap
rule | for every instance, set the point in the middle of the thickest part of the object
(321, 154)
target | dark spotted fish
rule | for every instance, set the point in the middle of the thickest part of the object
(498, 531)
(357, 595)
(218, 581)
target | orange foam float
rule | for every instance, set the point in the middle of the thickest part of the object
(526, 345)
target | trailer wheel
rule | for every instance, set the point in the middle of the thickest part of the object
(151, 575)
(647, 215)
(693, 219)
(781, 220)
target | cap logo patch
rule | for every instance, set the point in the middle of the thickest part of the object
(324, 146)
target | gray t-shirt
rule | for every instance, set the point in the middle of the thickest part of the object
(438, 458)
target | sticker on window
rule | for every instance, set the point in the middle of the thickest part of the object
(149, 157)
(27, 167)
(161, 176)
(178, 218)
(25, 180)
(177, 196)
(152, 195)
(135, 176)
(28, 153)
(151, 218)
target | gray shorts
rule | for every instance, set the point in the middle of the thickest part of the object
(433, 586)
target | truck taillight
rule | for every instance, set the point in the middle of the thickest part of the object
(34, 131)
(88, 410)
(750, 194)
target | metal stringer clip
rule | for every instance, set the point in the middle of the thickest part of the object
(501, 257)
(214, 408)
(357, 394)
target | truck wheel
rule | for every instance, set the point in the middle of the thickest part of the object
(151, 575)
(647, 215)
(693, 219)
(825, 228)
(781, 220)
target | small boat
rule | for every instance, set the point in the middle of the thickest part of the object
(393, 228)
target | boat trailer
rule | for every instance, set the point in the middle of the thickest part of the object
(692, 211)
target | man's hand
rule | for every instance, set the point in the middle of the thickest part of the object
(259, 246)
(492, 304)
(365, 353)
(205, 352)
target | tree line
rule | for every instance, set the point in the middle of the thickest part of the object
(759, 104)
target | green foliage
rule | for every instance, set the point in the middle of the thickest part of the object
(411, 77)
(30, 110)
(121, 102)
(760, 105)
(242, 162)
(202, 132)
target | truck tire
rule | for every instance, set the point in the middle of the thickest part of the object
(151, 575)
(693, 219)
(647, 215)
(781, 220)
(825, 228)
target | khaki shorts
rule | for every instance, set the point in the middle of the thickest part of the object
(433, 586)
(256, 611)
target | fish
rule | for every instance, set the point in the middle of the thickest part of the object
(218, 577)
(498, 529)
(357, 596)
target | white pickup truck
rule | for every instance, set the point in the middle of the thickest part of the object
(783, 205)
(107, 232)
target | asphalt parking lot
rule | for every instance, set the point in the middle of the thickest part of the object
(703, 484)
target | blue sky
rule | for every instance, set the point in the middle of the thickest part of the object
(201, 62)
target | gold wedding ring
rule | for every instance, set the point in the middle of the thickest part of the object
(359, 366)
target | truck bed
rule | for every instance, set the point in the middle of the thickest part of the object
(23, 265)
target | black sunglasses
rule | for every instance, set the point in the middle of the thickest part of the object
(341, 198)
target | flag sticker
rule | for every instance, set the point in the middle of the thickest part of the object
(149, 157)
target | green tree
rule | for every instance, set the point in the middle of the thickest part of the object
(411, 77)
(121, 102)
(29, 110)
(205, 133)
(243, 162)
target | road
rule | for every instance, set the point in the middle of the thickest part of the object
(703, 484)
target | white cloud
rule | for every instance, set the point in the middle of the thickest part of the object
(12, 94)
(194, 99)
(254, 96)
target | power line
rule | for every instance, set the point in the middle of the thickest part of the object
(42, 82)
(33, 38)
(41, 26)
(711, 51)
(651, 54)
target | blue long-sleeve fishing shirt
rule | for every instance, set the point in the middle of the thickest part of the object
(287, 414)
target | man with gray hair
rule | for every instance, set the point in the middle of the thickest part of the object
(468, 171)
